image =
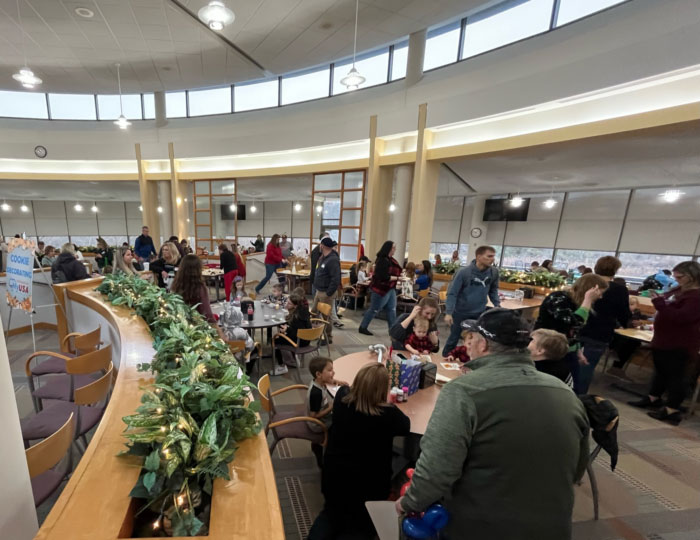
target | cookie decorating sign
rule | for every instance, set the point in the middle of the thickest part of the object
(20, 268)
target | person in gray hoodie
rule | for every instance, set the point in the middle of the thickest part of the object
(504, 445)
(468, 293)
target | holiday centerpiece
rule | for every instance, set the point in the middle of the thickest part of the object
(542, 282)
(190, 419)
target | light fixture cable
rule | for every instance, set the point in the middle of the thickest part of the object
(25, 76)
(353, 79)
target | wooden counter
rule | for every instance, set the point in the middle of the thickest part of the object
(96, 500)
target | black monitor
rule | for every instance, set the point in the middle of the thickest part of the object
(503, 210)
(227, 214)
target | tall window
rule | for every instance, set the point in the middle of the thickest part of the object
(175, 105)
(257, 95)
(505, 23)
(149, 107)
(108, 106)
(306, 86)
(570, 10)
(570, 259)
(399, 61)
(23, 105)
(72, 106)
(211, 101)
(640, 265)
(441, 46)
(521, 257)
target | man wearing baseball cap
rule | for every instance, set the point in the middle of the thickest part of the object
(505, 443)
(327, 278)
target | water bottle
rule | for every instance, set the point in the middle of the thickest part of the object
(250, 312)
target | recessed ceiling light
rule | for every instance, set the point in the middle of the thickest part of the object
(84, 12)
(78, 207)
(671, 195)
(297, 207)
(94, 208)
(550, 203)
(24, 208)
(253, 209)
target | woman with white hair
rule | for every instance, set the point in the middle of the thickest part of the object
(66, 267)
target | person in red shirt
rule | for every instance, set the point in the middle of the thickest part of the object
(420, 341)
(675, 343)
(273, 260)
(239, 260)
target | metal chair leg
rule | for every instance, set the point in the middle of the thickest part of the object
(594, 489)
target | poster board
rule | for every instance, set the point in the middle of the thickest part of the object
(20, 270)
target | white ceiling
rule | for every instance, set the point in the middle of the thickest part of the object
(162, 48)
(661, 157)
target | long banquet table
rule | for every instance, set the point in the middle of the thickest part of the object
(94, 505)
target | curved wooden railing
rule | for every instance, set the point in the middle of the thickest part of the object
(95, 504)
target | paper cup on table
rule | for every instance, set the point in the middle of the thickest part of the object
(146, 266)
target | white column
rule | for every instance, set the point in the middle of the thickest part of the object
(403, 182)
(477, 223)
(17, 514)
(416, 55)
(161, 117)
(166, 223)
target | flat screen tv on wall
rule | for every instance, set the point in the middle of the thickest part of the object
(503, 210)
(227, 214)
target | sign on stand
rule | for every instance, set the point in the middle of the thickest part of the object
(20, 269)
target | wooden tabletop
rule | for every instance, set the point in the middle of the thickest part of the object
(302, 272)
(636, 333)
(419, 406)
(94, 503)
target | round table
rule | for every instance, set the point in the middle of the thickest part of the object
(419, 406)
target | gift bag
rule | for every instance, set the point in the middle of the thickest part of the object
(394, 369)
(409, 375)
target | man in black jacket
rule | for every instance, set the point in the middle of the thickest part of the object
(315, 256)
(66, 267)
(327, 278)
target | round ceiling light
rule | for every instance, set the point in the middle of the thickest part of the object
(27, 78)
(24, 208)
(671, 195)
(516, 201)
(216, 15)
(319, 208)
(94, 208)
(550, 203)
(78, 207)
(84, 12)
(122, 122)
(253, 209)
(232, 207)
(297, 207)
(5, 207)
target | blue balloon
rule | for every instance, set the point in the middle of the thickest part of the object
(436, 517)
(415, 528)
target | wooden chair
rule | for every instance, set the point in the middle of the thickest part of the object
(308, 334)
(237, 346)
(76, 343)
(86, 406)
(79, 371)
(252, 295)
(442, 301)
(351, 297)
(424, 293)
(43, 457)
(292, 424)
(324, 310)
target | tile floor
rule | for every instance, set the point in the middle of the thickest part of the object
(654, 494)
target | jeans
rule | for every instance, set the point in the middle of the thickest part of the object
(378, 303)
(593, 350)
(269, 270)
(571, 359)
(322, 297)
(669, 375)
(456, 331)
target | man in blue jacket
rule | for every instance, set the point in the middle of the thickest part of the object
(143, 246)
(468, 293)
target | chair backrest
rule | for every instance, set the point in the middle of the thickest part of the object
(90, 362)
(263, 390)
(95, 391)
(236, 346)
(252, 295)
(324, 309)
(424, 293)
(442, 296)
(87, 342)
(44, 455)
(311, 334)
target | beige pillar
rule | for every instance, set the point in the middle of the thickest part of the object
(425, 184)
(403, 181)
(178, 213)
(379, 183)
(149, 200)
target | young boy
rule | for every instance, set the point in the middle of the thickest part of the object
(420, 341)
(460, 352)
(548, 349)
(277, 296)
(319, 403)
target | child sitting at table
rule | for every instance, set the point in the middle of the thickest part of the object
(298, 318)
(277, 296)
(239, 290)
(460, 353)
(231, 321)
(420, 341)
(319, 401)
(548, 349)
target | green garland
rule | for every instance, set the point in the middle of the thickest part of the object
(192, 417)
(446, 268)
(539, 279)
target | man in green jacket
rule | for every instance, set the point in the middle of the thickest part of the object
(504, 445)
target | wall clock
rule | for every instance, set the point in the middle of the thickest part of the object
(40, 151)
(475, 232)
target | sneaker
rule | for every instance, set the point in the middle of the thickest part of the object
(338, 324)
(646, 403)
(364, 331)
(280, 370)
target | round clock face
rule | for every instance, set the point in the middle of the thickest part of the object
(40, 152)
(475, 232)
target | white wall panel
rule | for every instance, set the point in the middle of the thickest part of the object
(540, 229)
(494, 234)
(50, 217)
(82, 223)
(448, 215)
(586, 234)
(592, 220)
(111, 218)
(16, 222)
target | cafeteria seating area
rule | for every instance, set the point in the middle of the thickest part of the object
(350, 269)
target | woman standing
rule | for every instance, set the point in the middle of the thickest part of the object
(383, 287)
(240, 265)
(104, 255)
(611, 310)
(357, 462)
(427, 308)
(567, 312)
(227, 262)
(273, 260)
(124, 262)
(163, 267)
(424, 272)
(189, 284)
(675, 343)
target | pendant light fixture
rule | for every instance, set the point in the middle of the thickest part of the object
(551, 202)
(216, 15)
(353, 79)
(122, 122)
(24, 208)
(25, 76)
(5, 207)
(516, 201)
(671, 195)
